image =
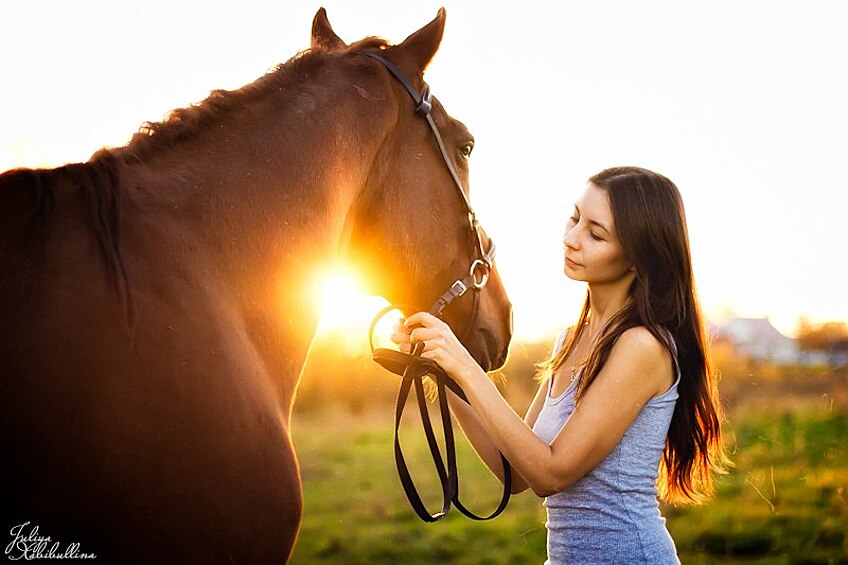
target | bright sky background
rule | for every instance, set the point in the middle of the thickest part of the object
(742, 104)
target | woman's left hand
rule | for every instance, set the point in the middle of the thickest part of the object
(440, 345)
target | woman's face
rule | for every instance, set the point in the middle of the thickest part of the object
(593, 252)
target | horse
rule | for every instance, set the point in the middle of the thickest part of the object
(155, 309)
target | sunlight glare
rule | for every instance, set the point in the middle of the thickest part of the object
(346, 312)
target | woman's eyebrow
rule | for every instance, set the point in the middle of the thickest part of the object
(600, 225)
(595, 222)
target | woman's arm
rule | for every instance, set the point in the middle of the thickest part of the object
(479, 438)
(473, 428)
(638, 368)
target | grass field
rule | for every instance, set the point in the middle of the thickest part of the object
(785, 501)
(355, 510)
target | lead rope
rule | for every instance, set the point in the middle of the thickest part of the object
(413, 368)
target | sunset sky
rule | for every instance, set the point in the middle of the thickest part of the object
(742, 104)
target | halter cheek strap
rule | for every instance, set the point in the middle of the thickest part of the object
(424, 103)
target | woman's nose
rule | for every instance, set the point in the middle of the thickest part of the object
(569, 240)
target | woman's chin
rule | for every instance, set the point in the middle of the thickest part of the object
(570, 273)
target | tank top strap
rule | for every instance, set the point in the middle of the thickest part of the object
(561, 340)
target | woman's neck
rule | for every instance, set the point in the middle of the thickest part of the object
(605, 301)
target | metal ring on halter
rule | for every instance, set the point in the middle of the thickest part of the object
(484, 274)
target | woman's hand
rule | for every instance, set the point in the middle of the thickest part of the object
(439, 345)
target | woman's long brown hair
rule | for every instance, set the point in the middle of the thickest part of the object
(651, 225)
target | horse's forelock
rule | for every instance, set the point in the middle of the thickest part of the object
(369, 43)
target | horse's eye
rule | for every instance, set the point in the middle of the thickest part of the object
(466, 150)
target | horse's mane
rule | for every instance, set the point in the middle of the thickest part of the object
(183, 124)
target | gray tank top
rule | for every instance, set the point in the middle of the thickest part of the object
(611, 515)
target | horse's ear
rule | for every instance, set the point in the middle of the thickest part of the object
(423, 44)
(323, 36)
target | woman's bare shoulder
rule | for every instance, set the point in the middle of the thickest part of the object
(638, 353)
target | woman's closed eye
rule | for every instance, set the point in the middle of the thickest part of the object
(575, 219)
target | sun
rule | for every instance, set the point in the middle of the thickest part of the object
(347, 312)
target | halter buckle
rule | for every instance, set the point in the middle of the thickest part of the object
(479, 268)
(458, 288)
(426, 103)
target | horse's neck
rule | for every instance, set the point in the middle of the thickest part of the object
(269, 217)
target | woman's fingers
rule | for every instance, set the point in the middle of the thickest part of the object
(400, 335)
(423, 328)
(423, 319)
(407, 336)
(439, 342)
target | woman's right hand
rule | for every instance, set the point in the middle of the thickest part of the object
(402, 336)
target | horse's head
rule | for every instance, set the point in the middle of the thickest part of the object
(411, 228)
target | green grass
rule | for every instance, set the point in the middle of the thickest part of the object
(355, 510)
(784, 502)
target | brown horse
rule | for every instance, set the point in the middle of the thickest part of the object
(154, 301)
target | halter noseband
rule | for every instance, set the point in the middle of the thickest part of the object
(413, 368)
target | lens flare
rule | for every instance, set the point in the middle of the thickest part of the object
(346, 311)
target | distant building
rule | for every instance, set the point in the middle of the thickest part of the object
(832, 352)
(757, 340)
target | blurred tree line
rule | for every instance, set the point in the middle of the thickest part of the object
(831, 337)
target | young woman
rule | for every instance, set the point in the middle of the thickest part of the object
(628, 410)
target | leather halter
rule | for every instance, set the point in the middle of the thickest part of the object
(413, 368)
